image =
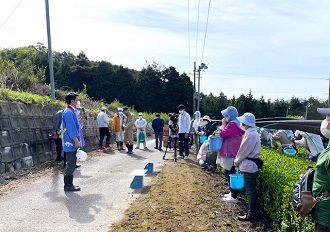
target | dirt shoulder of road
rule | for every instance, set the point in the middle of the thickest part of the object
(183, 197)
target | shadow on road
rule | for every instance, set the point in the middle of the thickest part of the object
(82, 208)
(138, 157)
(144, 190)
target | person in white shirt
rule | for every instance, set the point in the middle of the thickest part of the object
(141, 125)
(184, 129)
(312, 143)
(103, 124)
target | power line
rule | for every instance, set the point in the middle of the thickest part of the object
(280, 77)
(199, 1)
(189, 33)
(207, 22)
(11, 14)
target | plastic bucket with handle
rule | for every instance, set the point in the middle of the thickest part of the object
(215, 143)
(202, 138)
(236, 181)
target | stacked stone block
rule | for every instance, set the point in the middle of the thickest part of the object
(24, 131)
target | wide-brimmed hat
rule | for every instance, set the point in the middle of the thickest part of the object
(324, 111)
(206, 117)
(248, 119)
(230, 112)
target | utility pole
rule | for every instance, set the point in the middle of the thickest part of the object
(50, 53)
(194, 95)
(199, 87)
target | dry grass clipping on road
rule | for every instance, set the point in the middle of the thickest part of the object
(183, 197)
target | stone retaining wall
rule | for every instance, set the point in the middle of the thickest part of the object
(24, 131)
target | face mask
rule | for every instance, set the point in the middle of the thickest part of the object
(121, 113)
(201, 123)
(181, 111)
(140, 117)
(78, 105)
(324, 130)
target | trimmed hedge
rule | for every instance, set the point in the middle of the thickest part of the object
(275, 184)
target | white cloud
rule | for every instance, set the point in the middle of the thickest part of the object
(279, 38)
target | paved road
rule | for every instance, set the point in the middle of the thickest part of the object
(44, 206)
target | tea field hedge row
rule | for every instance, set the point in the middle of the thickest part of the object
(275, 183)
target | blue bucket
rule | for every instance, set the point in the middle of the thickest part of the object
(290, 151)
(236, 181)
(202, 139)
(215, 143)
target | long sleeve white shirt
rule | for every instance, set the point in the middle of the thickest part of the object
(184, 123)
(102, 120)
(141, 123)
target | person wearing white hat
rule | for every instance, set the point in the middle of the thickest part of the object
(248, 160)
(103, 124)
(208, 129)
(196, 129)
(118, 128)
(321, 181)
(141, 125)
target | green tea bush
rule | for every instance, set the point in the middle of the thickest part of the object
(275, 184)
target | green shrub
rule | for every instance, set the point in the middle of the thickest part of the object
(275, 184)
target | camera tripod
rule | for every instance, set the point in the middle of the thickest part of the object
(175, 141)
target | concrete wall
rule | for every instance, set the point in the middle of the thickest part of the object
(24, 131)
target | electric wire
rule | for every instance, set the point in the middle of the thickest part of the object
(189, 34)
(207, 22)
(199, 1)
(11, 14)
(271, 76)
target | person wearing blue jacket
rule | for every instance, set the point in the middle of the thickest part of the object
(158, 125)
(71, 139)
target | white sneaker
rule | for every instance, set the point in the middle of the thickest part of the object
(185, 157)
(227, 195)
(230, 199)
(180, 157)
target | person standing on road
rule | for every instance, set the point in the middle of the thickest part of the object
(141, 126)
(57, 135)
(71, 139)
(118, 127)
(158, 126)
(103, 124)
(196, 129)
(247, 159)
(184, 128)
(128, 130)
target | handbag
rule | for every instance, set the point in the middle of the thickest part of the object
(307, 203)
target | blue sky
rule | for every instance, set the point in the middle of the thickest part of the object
(276, 49)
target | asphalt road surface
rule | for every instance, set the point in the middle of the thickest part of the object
(42, 205)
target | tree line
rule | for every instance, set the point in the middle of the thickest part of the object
(155, 88)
